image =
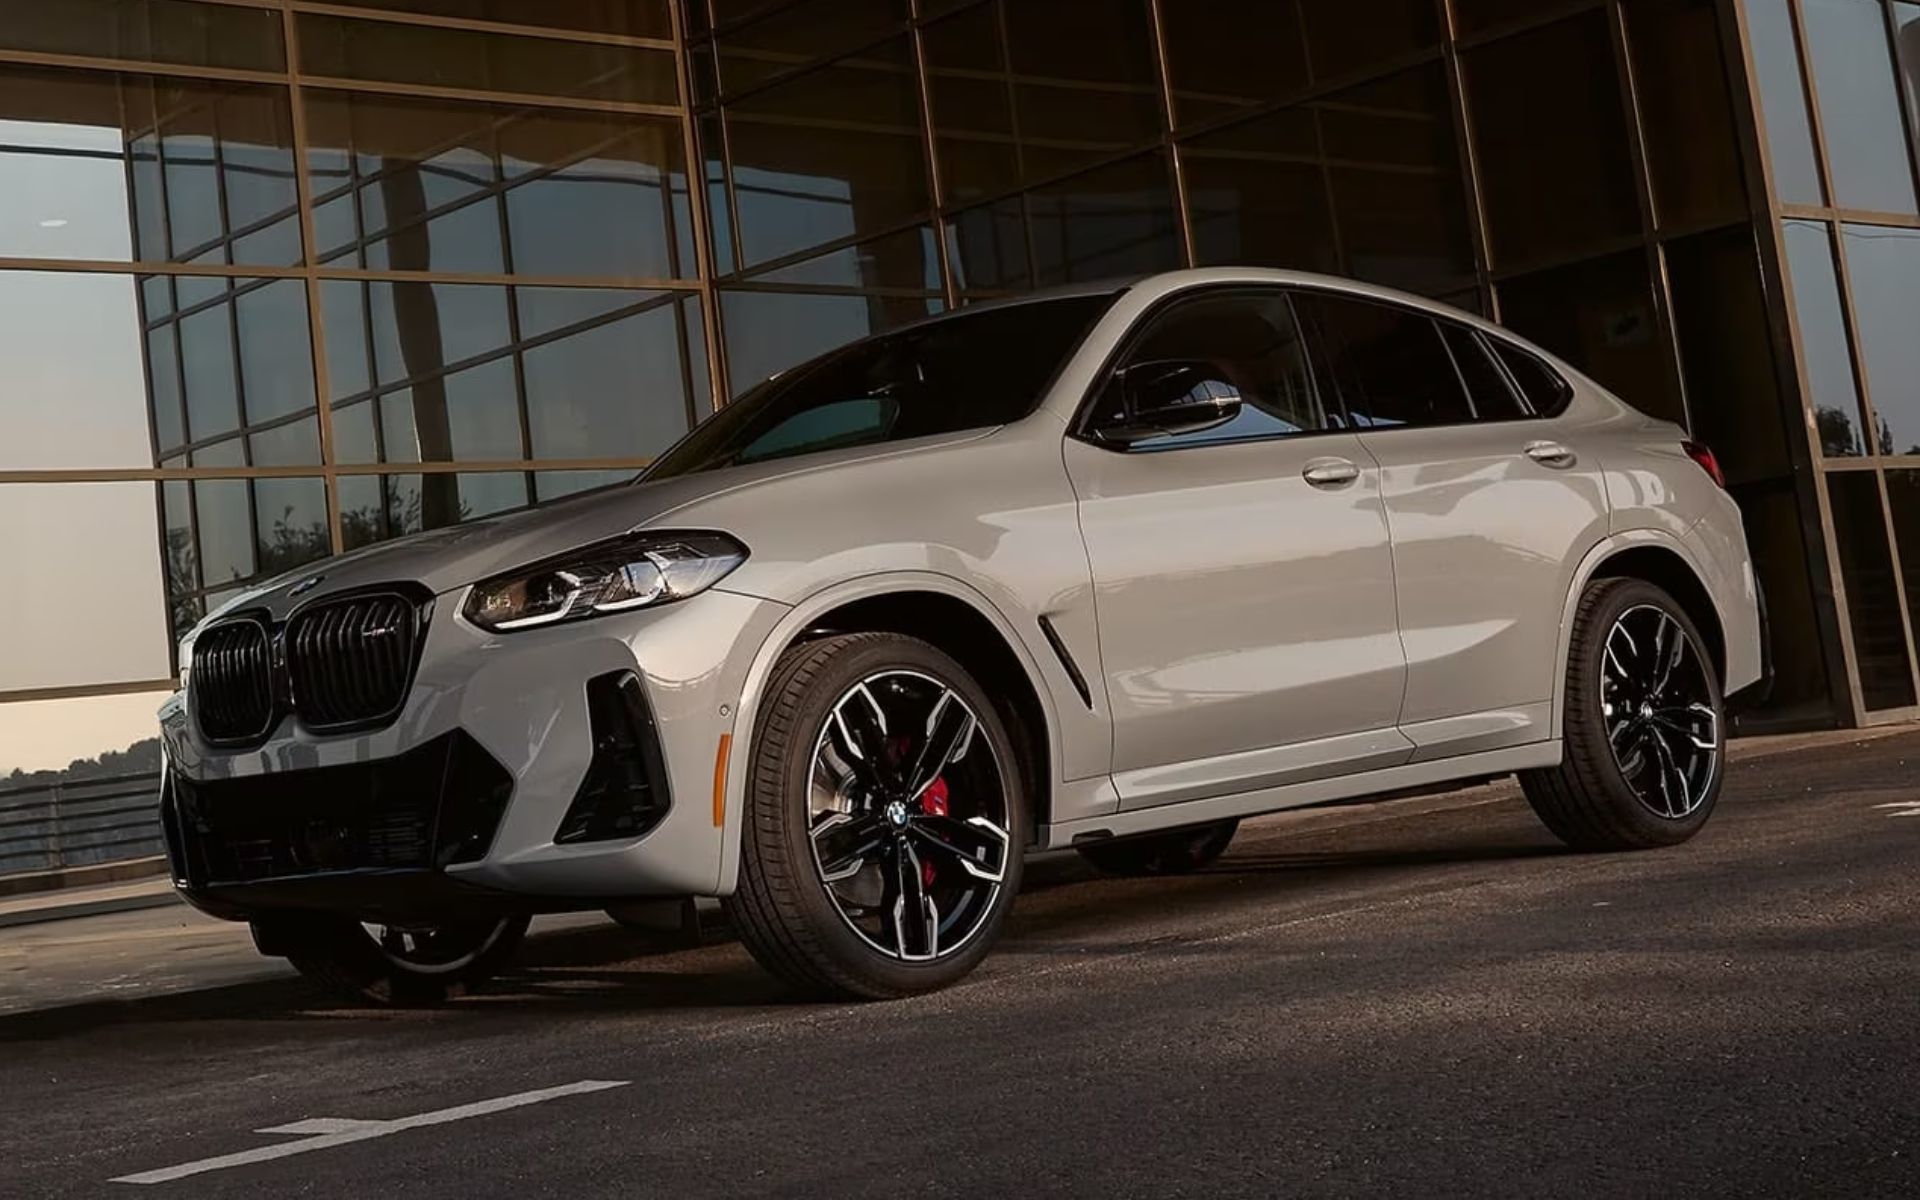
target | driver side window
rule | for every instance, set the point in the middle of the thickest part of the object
(1218, 347)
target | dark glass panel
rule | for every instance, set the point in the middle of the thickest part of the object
(1826, 357)
(1906, 53)
(1085, 86)
(85, 601)
(276, 349)
(1552, 138)
(1692, 144)
(192, 35)
(1783, 102)
(1866, 140)
(1471, 16)
(413, 54)
(1726, 353)
(1115, 221)
(970, 91)
(1258, 194)
(1344, 37)
(422, 329)
(1394, 172)
(1493, 397)
(626, 18)
(987, 248)
(1884, 265)
(834, 153)
(1776, 538)
(1873, 604)
(770, 331)
(75, 390)
(909, 259)
(611, 390)
(470, 416)
(1903, 500)
(113, 166)
(1599, 316)
(719, 210)
(792, 36)
(459, 186)
(1220, 61)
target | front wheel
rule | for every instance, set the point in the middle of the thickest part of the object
(1645, 726)
(883, 825)
(392, 964)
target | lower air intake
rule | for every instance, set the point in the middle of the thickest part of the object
(625, 792)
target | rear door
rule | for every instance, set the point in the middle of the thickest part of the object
(1242, 573)
(1489, 510)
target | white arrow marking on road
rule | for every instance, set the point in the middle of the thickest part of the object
(1908, 808)
(324, 1133)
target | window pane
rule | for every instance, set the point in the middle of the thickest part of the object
(1783, 102)
(1344, 37)
(290, 523)
(1084, 80)
(82, 617)
(1116, 220)
(1903, 500)
(192, 35)
(1545, 391)
(1220, 61)
(374, 508)
(1726, 353)
(1873, 606)
(833, 153)
(1866, 141)
(76, 388)
(1599, 316)
(86, 737)
(1249, 348)
(1493, 399)
(455, 186)
(1388, 363)
(557, 485)
(908, 259)
(1552, 136)
(770, 331)
(987, 248)
(612, 390)
(628, 18)
(115, 166)
(1258, 194)
(1825, 355)
(795, 34)
(1885, 268)
(276, 350)
(1693, 147)
(461, 58)
(971, 96)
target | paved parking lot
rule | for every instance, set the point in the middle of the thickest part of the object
(1420, 997)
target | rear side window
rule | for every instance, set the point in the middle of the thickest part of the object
(1545, 391)
(1493, 398)
(1389, 365)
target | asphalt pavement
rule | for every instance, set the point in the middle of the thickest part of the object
(1408, 999)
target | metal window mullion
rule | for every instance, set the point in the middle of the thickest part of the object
(1903, 96)
(1467, 149)
(1163, 66)
(936, 181)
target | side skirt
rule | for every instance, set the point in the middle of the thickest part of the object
(1464, 768)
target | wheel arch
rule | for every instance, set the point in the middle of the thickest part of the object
(948, 615)
(1659, 559)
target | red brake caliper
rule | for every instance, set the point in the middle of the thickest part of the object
(933, 802)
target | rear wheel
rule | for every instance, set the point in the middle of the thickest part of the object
(884, 813)
(1174, 852)
(393, 964)
(1645, 727)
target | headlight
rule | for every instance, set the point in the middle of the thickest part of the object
(628, 572)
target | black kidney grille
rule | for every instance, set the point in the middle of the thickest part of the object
(349, 661)
(233, 682)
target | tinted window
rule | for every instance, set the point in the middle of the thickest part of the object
(1389, 364)
(1493, 399)
(1545, 391)
(970, 371)
(1250, 347)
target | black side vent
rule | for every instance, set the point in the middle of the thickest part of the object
(232, 683)
(625, 792)
(1067, 664)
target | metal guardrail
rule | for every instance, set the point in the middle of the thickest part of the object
(75, 823)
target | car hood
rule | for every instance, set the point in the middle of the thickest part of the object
(445, 559)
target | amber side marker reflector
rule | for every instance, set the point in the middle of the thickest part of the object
(720, 780)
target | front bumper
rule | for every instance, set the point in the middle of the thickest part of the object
(455, 807)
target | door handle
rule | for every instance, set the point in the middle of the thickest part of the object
(1550, 454)
(1330, 472)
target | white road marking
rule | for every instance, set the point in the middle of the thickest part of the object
(1906, 808)
(324, 1133)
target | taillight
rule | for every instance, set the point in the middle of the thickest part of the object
(1708, 463)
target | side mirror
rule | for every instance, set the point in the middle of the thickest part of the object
(1165, 398)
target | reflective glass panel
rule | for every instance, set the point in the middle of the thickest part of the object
(1866, 139)
(770, 331)
(1343, 37)
(1258, 194)
(791, 35)
(1084, 80)
(1783, 102)
(462, 58)
(1220, 61)
(1726, 353)
(1873, 604)
(77, 617)
(1825, 354)
(1884, 265)
(1903, 501)
(1116, 220)
(168, 31)
(970, 91)
(1692, 144)
(987, 248)
(374, 508)
(74, 350)
(1599, 316)
(628, 18)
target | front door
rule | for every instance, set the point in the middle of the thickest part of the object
(1242, 572)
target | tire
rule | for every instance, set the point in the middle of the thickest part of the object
(1613, 789)
(348, 960)
(821, 803)
(1175, 852)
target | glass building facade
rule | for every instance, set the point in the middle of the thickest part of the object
(279, 279)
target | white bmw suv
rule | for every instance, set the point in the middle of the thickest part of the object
(1106, 569)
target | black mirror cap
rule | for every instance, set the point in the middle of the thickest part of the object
(1166, 397)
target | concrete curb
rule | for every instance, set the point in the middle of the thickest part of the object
(95, 875)
(44, 913)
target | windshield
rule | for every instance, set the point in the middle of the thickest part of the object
(969, 371)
